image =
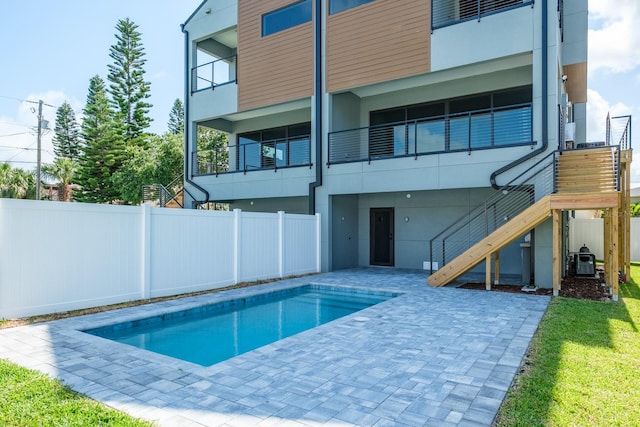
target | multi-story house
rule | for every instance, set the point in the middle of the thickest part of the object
(393, 119)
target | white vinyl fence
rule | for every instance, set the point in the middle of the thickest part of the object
(590, 232)
(63, 256)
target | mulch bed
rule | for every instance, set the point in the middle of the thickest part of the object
(571, 287)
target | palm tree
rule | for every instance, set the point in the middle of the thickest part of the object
(21, 181)
(15, 183)
(62, 170)
(5, 178)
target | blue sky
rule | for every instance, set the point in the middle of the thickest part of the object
(51, 49)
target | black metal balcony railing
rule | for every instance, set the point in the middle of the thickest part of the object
(473, 130)
(214, 73)
(274, 154)
(449, 12)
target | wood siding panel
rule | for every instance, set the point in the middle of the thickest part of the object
(378, 41)
(273, 69)
(576, 84)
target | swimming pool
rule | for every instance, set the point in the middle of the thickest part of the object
(212, 333)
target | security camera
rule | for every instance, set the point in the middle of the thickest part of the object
(565, 78)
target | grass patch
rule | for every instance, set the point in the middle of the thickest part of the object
(28, 398)
(582, 367)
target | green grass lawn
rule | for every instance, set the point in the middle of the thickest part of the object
(584, 365)
(28, 398)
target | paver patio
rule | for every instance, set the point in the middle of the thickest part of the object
(432, 356)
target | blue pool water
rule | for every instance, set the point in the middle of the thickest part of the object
(210, 334)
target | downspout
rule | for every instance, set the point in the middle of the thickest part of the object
(545, 102)
(318, 108)
(187, 126)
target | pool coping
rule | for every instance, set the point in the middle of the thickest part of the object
(438, 356)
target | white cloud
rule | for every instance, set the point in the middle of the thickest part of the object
(21, 149)
(614, 45)
(597, 109)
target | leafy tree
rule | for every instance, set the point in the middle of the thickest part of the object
(66, 139)
(127, 87)
(62, 170)
(161, 163)
(635, 210)
(213, 147)
(176, 118)
(103, 150)
(16, 183)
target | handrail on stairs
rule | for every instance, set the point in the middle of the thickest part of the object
(164, 194)
(538, 180)
(512, 198)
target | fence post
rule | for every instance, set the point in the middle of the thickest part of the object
(281, 231)
(318, 243)
(145, 282)
(237, 249)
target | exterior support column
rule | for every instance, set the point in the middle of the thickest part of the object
(496, 268)
(607, 245)
(487, 279)
(614, 254)
(557, 250)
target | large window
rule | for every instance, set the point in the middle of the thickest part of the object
(337, 6)
(279, 147)
(286, 17)
(479, 121)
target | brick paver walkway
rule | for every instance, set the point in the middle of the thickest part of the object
(432, 356)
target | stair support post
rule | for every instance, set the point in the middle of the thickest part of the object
(557, 250)
(612, 261)
(487, 278)
(496, 268)
(607, 245)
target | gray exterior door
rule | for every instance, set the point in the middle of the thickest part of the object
(381, 237)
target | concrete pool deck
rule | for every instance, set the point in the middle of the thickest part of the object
(432, 356)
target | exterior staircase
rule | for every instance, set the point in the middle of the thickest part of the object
(564, 180)
(170, 196)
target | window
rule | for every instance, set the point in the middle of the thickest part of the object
(472, 122)
(276, 147)
(337, 6)
(286, 17)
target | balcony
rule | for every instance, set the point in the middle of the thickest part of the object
(450, 12)
(266, 155)
(215, 73)
(467, 131)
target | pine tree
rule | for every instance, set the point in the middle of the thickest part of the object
(66, 139)
(127, 88)
(176, 118)
(103, 151)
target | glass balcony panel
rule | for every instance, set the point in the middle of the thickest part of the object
(431, 136)
(459, 133)
(512, 126)
(481, 130)
(299, 152)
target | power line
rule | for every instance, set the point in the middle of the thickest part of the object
(27, 100)
(15, 124)
(16, 161)
(14, 134)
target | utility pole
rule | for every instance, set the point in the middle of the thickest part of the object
(39, 161)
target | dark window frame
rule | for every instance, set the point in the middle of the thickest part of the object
(271, 25)
(381, 132)
(268, 148)
(335, 7)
